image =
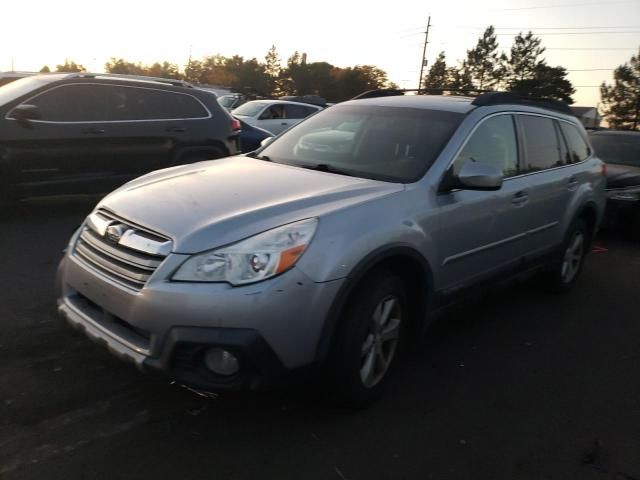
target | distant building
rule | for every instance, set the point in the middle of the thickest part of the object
(589, 116)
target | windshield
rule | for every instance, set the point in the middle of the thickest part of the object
(382, 143)
(620, 149)
(249, 109)
(16, 89)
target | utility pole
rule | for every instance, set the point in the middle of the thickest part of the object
(424, 51)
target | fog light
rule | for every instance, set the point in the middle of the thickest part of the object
(221, 361)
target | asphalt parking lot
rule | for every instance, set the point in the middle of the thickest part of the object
(521, 385)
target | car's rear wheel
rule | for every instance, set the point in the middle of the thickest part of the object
(368, 340)
(564, 273)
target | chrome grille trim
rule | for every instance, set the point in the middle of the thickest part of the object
(120, 250)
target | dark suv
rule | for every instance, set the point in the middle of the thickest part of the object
(89, 133)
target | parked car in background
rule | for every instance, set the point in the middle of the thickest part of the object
(251, 137)
(275, 116)
(234, 273)
(231, 101)
(8, 77)
(621, 151)
(86, 133)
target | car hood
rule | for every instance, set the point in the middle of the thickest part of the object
(210, 204)
(621, 176)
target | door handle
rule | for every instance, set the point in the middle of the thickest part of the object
(572, 183)
(284, 123)
(520, 198)
(93, 131)
(176, 129)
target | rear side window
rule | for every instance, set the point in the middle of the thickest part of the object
(132, 103)
(492, 143)
(71, 103)
(578, 150)
(541, 144)
(298, 111)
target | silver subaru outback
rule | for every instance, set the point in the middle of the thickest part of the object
(331, 245)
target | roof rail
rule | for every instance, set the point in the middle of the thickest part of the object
(500, 98)
(169, 81)
(390, 92)
(483, 97)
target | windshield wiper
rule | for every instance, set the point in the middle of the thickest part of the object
(259, 157)
(323, 167)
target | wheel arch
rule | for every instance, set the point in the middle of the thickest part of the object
(404, 260)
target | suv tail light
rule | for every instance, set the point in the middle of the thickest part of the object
(235, 125)
(603, 169)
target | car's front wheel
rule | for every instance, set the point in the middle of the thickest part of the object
(368, 339)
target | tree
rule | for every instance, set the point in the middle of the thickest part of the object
(546, 82)
(437, 76)
(163, 70)
(45, 69)
(484, 65)
(621, 100)
(272, 69)
(524, 59)
(121, 66)
(459, 80)
(70, 67)
(247, 76)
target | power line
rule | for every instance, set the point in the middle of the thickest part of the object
(565, 5)
(589, 48)
(592, 27)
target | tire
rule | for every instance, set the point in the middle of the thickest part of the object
(564, 273)
(368, 340)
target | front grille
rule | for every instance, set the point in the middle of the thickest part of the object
(120, 250)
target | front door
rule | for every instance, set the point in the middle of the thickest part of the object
(61, 151)
(484, 232)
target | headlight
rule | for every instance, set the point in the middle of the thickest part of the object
(253, 259)
(630, 194)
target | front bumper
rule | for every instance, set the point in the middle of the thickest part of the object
(273, 327)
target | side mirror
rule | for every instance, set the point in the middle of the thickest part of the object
(479, 176)
(25, 112)
(266, 141)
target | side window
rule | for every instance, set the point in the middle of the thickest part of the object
(541, 143)
(72, 103)
(133, 103)
(577, 145)
(274, 112)
(298, 111)
(493, 143)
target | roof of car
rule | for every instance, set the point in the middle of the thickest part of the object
(285, 102)
(448, 103)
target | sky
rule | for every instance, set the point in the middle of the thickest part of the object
(588, 37)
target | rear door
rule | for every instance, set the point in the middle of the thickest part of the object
(544, 165)
(483, 233)
(148, 126)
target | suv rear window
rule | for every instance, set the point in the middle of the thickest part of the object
(383, 143)
(578, 148)
(618, 149)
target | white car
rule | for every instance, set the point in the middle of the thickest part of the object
(274, 116)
